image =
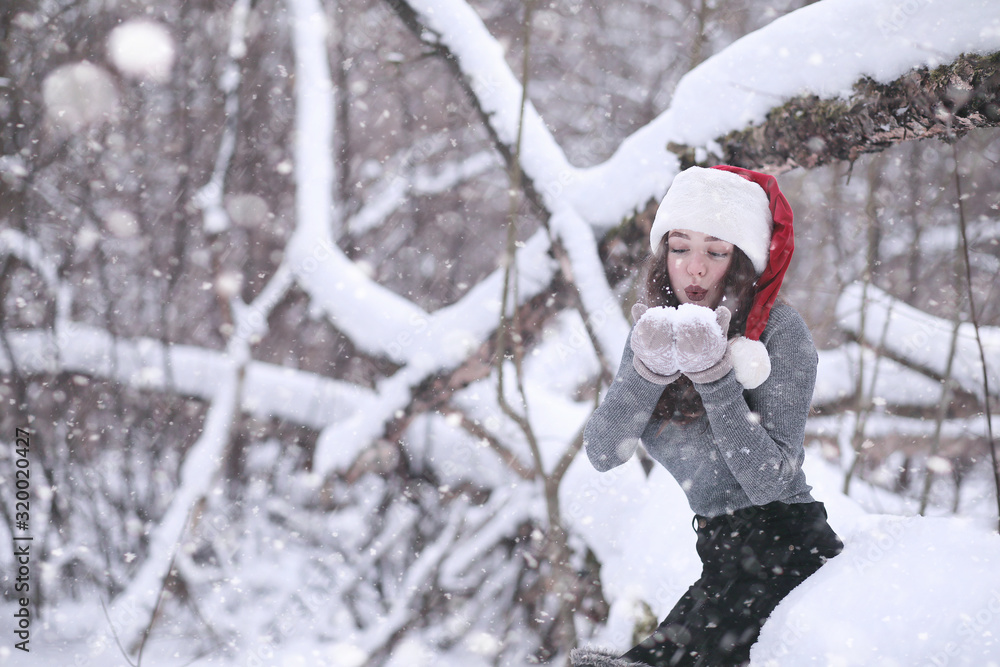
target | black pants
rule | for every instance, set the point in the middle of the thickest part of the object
(750, 561)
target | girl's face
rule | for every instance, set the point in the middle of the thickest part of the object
(696, 266)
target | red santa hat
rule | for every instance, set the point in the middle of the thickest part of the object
(745, 208)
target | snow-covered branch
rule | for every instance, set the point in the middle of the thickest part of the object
(377, 320)
(943, 102)
(416, 182)
(497, 93)
(373, 317)
(822, 49)
(210, 197)
(454, 26)
(919, 340)
(601, 306)
(433, 344)
(31, 253)
(299, 396)
(418, 577)
(896, 384)
(134, 607)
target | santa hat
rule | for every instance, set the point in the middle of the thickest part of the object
(745, 208)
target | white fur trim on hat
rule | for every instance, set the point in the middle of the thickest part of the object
(750, 361)
(590, 657)
(721, 204)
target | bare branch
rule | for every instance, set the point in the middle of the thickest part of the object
(476, 429)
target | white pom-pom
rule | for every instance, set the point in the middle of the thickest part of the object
(750, 361)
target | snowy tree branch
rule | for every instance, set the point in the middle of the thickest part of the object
(267, 389)
(135, 606)
(918, 340)
(416, 182)
(210, 197)
(417, 578)
(477, 430)
(809, 131)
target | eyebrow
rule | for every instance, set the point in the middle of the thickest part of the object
(682, 235)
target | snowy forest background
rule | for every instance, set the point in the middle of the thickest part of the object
(265, 266)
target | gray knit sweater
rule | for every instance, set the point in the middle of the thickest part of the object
(747, 449)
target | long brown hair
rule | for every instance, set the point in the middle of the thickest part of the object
(680, 402)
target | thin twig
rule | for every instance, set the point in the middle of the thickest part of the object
(857, 438)
(979, 340)
(510, 458)
(114, 634)
(156, 608)
(947, 392)
(511, 277)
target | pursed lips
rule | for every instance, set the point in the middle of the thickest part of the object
(695, 293)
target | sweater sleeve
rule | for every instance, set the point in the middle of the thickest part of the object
(614, 431)
(760, 433)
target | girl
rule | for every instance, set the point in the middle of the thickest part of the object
(716, 381)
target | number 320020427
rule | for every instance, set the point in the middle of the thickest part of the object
(22, 479)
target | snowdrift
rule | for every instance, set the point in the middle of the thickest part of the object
(906, 591)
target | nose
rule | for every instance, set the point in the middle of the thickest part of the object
(696, 266)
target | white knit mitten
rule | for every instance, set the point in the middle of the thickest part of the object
(702, 347)
(654, 354)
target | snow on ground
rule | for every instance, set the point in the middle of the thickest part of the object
(906, 591)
